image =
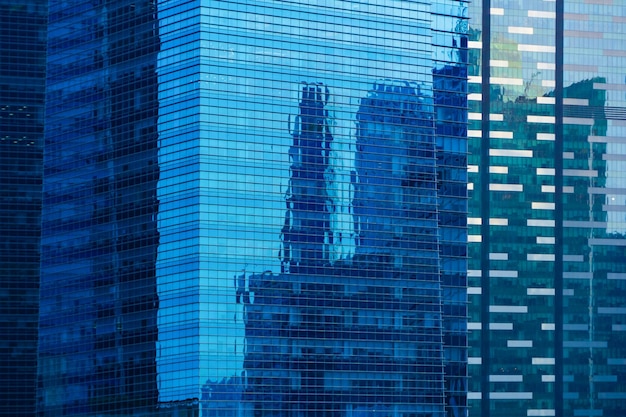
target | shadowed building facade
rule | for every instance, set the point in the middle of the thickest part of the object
(22, 79)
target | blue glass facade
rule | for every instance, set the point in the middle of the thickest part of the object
(98, 304)
(255, 209)
(22, 76)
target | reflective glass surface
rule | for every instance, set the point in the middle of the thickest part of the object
(98, 309)
(22, 77)
(546, 274)
(255, 209)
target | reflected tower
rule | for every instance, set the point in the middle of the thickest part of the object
(396, 191)
(363, 334)
(306, 234)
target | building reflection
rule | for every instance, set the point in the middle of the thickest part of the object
(137, 314)
(358, 333)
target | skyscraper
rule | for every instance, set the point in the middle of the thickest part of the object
(22, 76)
(546, 224)
(254, 209)
(98, 304)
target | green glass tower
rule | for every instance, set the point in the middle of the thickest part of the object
(547, 274)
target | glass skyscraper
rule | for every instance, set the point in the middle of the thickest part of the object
(547, 273)
(22, 76)
(260, 208)
(99, 302)
(254, 209)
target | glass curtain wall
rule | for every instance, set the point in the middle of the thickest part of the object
(546, 244)
(255, 209)
(22, 78)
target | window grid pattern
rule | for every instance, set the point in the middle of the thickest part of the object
(255, 209)
(546, 111)
(22, 76)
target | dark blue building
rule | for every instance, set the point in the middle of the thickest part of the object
(22, 78)
(98, 306)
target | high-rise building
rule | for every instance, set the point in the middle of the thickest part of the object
(547, 273)
(22, 76)
(254, 209)
(99, 303)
